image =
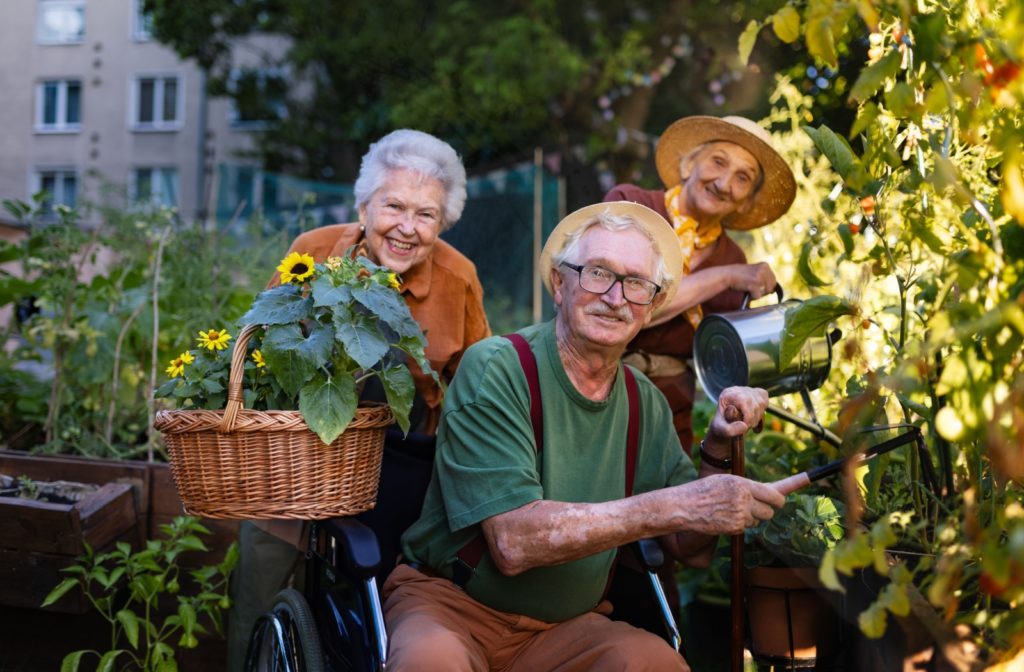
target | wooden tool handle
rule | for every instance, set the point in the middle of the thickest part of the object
(792, 483)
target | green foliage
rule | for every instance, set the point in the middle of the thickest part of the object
(82, 370)
(798, 535)
(328, 329)
(127, 587)
(915, 218)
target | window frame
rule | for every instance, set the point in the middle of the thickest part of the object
(156, 197)
(140, 30)
(43, 5)
(60, 173)
(61, 124)
(159, 124)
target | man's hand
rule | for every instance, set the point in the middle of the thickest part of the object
(740, 409)
(726, 504)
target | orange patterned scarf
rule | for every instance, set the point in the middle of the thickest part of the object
(692, 236)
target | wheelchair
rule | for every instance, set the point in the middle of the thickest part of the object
(336, 623)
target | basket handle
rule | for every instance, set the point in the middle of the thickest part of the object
(235, 398)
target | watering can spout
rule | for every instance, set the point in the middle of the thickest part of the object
(834, 336)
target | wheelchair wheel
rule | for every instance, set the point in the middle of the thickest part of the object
(285, 638)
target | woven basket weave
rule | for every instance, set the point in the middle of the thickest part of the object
(240, 463)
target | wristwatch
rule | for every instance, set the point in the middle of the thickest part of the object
(717, 462)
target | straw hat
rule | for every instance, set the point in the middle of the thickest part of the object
(660, 231)
(779, 188)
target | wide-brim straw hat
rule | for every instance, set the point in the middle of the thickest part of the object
(779, 188)
(661, 233)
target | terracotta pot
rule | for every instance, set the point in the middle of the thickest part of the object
(789, 615)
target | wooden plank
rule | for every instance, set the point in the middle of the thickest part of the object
(35, 526)
(109, 513)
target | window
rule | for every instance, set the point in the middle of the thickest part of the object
(61, 22)
(157, 103)
(142, 22)
(155, 186)
(59, 106)
(257, 96)
(61, 187)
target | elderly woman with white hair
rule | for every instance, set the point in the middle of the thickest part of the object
(411, 187)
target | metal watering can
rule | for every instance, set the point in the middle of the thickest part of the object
(742, 348)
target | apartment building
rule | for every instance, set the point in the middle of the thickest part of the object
(93, 109)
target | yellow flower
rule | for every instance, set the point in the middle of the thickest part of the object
(177, 366)
(257, 357)
(393, 280)
(213, 339)
(333, 263)
(297, 267)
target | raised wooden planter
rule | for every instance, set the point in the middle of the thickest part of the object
(38, 539)
(147, 489)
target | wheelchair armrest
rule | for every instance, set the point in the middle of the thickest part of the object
(358, 553)
(649, 553)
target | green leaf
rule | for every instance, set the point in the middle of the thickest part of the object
(872, 621)
(283, 304)
(361, 339)
(293, 358)
(328, 405)
(846, 236)
(835, 148)
(389, 306)
(807, 319)
(326, 294)
(130, 622)
(874, 76)
(866, 116)
(900, 100)
(400, 390)
(827, 572)
(72, 661)
(109, 660)
(786, 24)
(747, 39)
(188, 617)
(58, 592)
(804, 267)
(820, 41)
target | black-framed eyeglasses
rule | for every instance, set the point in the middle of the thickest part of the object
(599, 280)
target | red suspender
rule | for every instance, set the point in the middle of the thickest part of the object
(469, 556)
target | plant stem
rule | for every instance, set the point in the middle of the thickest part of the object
(150, 401)
(108, 432)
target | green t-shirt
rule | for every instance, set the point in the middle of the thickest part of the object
(487, 464)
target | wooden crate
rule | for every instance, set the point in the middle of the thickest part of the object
(38, 539)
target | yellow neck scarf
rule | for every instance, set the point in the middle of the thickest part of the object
(692, 236)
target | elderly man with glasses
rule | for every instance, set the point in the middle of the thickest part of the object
(551, 455)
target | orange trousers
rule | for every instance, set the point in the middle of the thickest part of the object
(433, 625)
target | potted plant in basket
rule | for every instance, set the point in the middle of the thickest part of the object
(297, 368)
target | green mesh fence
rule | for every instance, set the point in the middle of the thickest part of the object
(496, 230)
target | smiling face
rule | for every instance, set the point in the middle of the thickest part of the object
(605, 321)
(403, 219)
(719, 181)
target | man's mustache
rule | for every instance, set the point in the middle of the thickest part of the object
(602, 310)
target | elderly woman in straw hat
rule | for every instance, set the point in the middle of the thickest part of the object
(720, 174)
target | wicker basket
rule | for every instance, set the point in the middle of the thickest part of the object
(240, 463)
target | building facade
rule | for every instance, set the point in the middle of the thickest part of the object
(96, 111)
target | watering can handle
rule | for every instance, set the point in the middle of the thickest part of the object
(746, 297)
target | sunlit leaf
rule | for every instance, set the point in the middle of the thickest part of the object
(872, 621)
(328, 405)
(804, 266)
(820, 41)
(747, 39)
(806, 319)
(868, 13)
(827, 572)
(1012, 187)
(834, 147)
(786, 24)
(874, 76)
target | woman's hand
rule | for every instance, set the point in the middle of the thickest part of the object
(754, 279)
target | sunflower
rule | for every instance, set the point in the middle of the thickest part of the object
(393, 281)
(213, 339)
(177, 366)
(257, 357)
(297, 267)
